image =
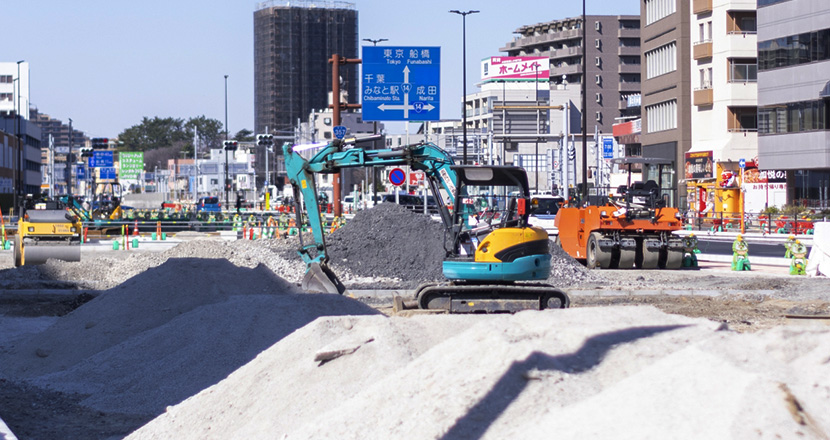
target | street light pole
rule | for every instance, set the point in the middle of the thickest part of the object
(464, 15)
(227, 199)
(374, 131)
(69, 160)
(584, 105)
(17, 167)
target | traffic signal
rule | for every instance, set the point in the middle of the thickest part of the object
(571, 153)
(230, 145)
(86, 151)
(265, 140)
(100, 143)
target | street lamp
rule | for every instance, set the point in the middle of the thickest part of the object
(464, 15)
(584, 105)
(227, 199)
(17, 169)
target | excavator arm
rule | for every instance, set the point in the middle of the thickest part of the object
(340, 154)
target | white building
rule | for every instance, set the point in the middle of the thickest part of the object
(9, 90)
(724, 72)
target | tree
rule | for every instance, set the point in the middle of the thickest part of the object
(244, 135)
(207, 132)
(152, 134)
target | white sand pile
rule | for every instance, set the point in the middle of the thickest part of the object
(167, 334)
(617, 372)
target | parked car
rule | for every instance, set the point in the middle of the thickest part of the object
(543, 209)
(209, 204)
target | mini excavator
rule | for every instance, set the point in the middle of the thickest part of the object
(494, 259)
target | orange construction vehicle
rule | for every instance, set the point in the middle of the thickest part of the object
(633, 229)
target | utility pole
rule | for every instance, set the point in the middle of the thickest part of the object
(70, 159)
(584, 104)
(227, 183)
(336, 60)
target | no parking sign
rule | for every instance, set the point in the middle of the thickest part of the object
(397, 177)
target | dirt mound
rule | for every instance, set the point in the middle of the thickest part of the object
(166, 334)
(647, 375)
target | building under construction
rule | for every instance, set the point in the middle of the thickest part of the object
(293, 42)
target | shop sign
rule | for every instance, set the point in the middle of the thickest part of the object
(699, 165)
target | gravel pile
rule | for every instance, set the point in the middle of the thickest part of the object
(166, 334)
(615, 372)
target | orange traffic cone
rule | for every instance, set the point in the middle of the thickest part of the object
(135, 229)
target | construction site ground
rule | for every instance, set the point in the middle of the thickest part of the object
(206, 337)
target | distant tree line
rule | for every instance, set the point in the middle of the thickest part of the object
(167, 138)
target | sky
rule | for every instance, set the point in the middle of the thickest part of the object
(108, 63)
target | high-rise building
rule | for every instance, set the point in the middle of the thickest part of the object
(794, 95)
(724, 73)
(293, 41)
(666, 92)
(612, 57)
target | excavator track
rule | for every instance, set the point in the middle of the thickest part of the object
(490, 298)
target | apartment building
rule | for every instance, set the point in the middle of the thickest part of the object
(666, 92)
(794, 95)
(724, 73)
(612, 54)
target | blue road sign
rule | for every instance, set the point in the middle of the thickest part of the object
(107, 173)
(401, 83)
(742, 163)
(80, 172)
(101, 159)
(607, 148)
(339, 131)
(397, 177)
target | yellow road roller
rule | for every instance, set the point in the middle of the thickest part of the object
(46, 229)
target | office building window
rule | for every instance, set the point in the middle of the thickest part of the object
(793, 117)
(659, 9)
(794, 50)
(662, 116)
(661, 60)
(529, 161)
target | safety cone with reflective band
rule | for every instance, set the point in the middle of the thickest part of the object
(135, 229)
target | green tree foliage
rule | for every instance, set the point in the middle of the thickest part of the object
(208, 133)
(244, 135)
(173, 136)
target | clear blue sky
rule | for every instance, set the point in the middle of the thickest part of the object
(106, 64)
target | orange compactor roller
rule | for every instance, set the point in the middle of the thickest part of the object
(634, 230)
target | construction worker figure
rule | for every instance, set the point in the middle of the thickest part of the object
(689, 251)
(798, 258)
(788, 245)
(740, 254)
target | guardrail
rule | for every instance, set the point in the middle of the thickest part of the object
(760, 223)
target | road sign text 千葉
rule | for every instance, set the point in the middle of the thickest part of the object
(401, 83)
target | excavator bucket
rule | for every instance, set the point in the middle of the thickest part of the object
(320, 279)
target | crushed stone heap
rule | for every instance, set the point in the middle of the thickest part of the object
(615, 372)
(166, 334)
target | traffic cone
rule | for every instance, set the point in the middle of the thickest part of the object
(135, 229)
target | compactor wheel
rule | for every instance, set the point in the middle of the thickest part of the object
(627, 257)
(18, 253)
(671, 259)
(646, 259)
(595, 257)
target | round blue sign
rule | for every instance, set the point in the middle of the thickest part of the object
(397, 177)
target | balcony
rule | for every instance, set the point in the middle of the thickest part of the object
(701, 6)
(628, 33)
(628, 50)
(566, 52)
(629, 87)
(703, 97)
(629, 68)
(702, 50)
(566, 70)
